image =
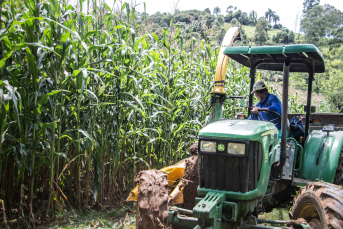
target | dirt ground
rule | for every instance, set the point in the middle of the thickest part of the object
(152, 210)
(190, 182)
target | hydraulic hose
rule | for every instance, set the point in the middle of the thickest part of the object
(284, 114)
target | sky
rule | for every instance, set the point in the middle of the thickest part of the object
(287, 10)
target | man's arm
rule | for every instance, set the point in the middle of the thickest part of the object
(275, 105)
(254, 112)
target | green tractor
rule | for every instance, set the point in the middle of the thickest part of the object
(244, 167)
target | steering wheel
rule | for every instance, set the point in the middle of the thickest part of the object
(273, 120)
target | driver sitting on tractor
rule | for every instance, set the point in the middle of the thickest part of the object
(267, 101)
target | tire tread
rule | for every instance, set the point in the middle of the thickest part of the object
(330, 198)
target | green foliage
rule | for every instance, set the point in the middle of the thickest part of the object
(120, 217)
(276, 19)
(228, 17)
(319, 22)
(210, 19)
(337, 41)
(190, 21)
(277, 26)
(285, 37)
(322, 25)
(253, 17)
(261, 35)
(332, 85)
(216, 11)
(207, 10)
(242, 17)
(270, 14)
(276, 214)
(229, 8)
(220, 19)
(234, 22)
(88, 99)
(309, 4)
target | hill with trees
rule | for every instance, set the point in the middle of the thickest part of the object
(321, 25)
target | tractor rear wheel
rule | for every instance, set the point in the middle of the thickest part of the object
(321, 205)
(152, 201)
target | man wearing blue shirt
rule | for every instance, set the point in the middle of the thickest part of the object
(267, 101)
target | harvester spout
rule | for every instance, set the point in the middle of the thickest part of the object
(284, 114)
(218, 92)
(219, 81)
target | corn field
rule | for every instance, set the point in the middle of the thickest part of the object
(89, 98)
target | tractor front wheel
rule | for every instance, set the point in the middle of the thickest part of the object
(321, 205)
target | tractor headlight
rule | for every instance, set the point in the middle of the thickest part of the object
(236, 148)
(207, 146)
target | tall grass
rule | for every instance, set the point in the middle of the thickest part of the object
(88, 99)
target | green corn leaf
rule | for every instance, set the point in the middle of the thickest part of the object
(87, 136)
(166, 44)
(124, 6)
(156, 37)
(177, 35)
(32, 63)
(35, 44)
(93, 95)
(136, 99)
(4, 58)
(45, 98)
(101, 61)
(108, 8)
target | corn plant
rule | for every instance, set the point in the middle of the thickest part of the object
(88, 99)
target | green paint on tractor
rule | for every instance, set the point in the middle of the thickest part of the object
(322, 154)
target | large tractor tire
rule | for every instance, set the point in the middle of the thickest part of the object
(152, 201)
(321, 205)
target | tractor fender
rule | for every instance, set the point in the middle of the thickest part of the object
(321, 156)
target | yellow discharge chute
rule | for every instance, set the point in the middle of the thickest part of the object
(219, 79)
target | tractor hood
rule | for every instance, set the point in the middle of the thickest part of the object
(238, 129)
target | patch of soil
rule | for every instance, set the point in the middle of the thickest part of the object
(190, 182)
(152, 202)
(194, 148)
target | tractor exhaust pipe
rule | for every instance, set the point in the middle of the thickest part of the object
(284, 114)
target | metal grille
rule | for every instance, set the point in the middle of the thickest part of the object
(229, 173)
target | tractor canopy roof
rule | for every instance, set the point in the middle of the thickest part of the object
(272, 57)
